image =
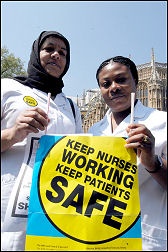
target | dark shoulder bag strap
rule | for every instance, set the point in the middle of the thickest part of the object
(72, 106)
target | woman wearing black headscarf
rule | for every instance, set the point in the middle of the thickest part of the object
(38, 76)
(24, 111)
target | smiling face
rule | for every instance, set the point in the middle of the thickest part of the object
(53, 56)
(116, 84)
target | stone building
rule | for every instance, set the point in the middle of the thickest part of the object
(94, 110)
(152, 85)
(151, 91)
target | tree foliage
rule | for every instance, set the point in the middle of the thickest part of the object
(10, 65)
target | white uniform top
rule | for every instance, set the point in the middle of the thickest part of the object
(62, 121)
(153, 198)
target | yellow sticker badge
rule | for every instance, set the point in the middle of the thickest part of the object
(30, 101)
(88, 191)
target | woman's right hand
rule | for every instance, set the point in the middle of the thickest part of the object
(29, 121)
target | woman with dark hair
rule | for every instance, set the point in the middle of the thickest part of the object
(117, 78)
(24, 111)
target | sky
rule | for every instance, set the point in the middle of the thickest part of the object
(96, 31)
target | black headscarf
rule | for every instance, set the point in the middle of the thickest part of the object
(37, 76)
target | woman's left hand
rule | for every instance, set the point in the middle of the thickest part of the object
(142, 139)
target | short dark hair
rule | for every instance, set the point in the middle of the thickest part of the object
(122, 60)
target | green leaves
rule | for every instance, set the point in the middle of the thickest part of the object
(10, 66)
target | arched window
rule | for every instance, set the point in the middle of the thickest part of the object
(146, 92)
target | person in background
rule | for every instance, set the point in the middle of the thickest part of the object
(24, 111)
(117, 78)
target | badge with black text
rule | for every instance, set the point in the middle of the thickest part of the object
(30, 101)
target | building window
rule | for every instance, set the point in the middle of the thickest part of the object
(146, 92)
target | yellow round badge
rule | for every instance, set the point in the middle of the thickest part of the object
(89, 190)
(30, 101)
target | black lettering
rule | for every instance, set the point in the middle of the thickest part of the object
(112, 212)
(26, 206)
(93, 204)
(66, 170)
(59, 168)
(115, 160)
(84, 148)
(99, 182)
(21, 205)
(87, 178)
(77, 162)
(70, 143)
(91, 164)
(78, 175)
(118, 176)
(100, 155)
(104, 183)
(121, 165)
(108, 187)
(134, 169)
(121, 191)
(127, 166)
(114, 190)
(102, 170)
(107, 158)
(72, 173)
(77, 146)
(79, 190)
(127, 195)
(93, 182)
(130, 184)
(90, 151)
(57, 188)
(110, 174)
(69, 154)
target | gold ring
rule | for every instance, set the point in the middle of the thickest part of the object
(145, 139)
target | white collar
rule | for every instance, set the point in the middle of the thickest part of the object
(139, 112)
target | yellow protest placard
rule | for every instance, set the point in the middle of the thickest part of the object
(84, 196)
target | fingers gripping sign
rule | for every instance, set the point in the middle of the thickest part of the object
(29, 121)
(140, 137)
